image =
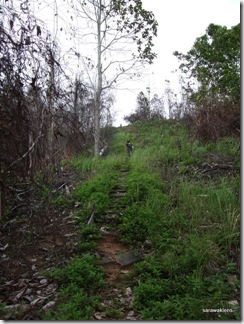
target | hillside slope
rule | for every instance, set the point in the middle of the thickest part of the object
(154, 236)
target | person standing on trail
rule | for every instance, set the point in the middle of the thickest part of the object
(129, 148)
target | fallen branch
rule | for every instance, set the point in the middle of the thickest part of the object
(28, 152)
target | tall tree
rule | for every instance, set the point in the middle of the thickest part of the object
(23, 51)
(214, 61)
(142, 111)
(170, 98)
(121, 34)
(157, 107)
(143, 106)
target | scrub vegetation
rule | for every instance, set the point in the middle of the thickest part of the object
(182, 210)
(74, 204)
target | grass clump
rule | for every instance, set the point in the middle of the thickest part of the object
(80, 282)
(94, 194)
(88, 237)
(134, 228)
(61, 201)
(84, 164)
(182, 208)
(159, 296)
(182, 201)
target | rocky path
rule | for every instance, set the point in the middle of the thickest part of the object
(117, 259)
(48, 238)
(36, 239)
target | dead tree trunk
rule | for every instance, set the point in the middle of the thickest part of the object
(50, 122)
(97, 108)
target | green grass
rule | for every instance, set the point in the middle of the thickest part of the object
(190, 222)
(193, 225)
(80, 282)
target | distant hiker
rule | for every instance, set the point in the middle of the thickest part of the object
(104, 151)
(129, 148)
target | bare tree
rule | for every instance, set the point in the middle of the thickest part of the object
(157, 107)
(170, 98)
(28, 66)
(120, 35)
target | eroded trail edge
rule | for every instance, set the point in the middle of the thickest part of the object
(117, 259)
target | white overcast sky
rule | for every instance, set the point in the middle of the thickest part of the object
(180, 23)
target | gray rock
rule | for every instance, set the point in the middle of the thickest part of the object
(129, 257)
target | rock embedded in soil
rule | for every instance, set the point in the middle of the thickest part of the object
(128, 257)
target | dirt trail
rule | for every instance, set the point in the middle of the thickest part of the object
(36, 238)
(46, 237)
(117, 259)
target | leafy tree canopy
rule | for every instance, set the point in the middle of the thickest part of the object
(142, 111)
(214, 61)
(134, 19)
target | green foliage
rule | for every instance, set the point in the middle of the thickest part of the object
(188, 224)
(196, 252)
(191, 224)
(82, 271)
(2, 309)
(228, 146)
(215, 62)
(211, 200)
(83, 163)
(134, 228)
(142, 111)
(98, 184)
(230, 236)
(87, 246)
(78, 306)
(184, 297)
(146, 201)
(141, 23)
(61, 201)
(186, 308)
(89, 232)
(80, 281)
(114, 313)
(140, 186)
(112, 163)
(42, 183)
(88, 236)
(94, 194)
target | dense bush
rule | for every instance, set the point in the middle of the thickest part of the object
(80, 281)
(212, 123)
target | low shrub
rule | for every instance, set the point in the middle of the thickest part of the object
(79, 283)
(135, 225)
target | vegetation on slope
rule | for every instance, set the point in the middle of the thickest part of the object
(183, 211)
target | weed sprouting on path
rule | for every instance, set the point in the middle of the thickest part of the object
(181, 209)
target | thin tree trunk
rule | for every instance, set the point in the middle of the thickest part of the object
(50, 139)
(76, 105)
(97, 108)
(97, 125)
